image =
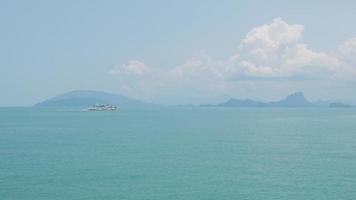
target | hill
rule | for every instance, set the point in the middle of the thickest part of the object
(85, 98)
(293, 100)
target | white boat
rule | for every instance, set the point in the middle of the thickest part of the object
(102, 107)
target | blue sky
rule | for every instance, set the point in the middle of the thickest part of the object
(177, 52)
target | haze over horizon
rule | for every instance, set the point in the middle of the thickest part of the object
(178, 52)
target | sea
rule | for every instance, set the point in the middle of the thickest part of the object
(178, 153)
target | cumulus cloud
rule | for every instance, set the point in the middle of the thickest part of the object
(269, 51)
(132, 67)
(199, 66)
(347, 51)
(349, 47)
(273, 51)
(264, 43)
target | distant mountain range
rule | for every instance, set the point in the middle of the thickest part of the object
(85, 98)
(293, 100)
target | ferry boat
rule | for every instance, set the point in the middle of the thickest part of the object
(102, 107)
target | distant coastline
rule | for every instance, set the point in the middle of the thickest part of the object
(296, 99)
(85, 98)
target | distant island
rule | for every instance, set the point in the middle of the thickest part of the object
(85, 98)
(296, 99)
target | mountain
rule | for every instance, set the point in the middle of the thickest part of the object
(85, 98)
(293, 100)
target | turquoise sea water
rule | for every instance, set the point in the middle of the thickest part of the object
(178, 153)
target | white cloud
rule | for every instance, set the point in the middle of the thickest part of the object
(349, 47)
(268, 51)
(347, 51)
(200, 66)
(264, 42)
(272, 52)
(133, 67)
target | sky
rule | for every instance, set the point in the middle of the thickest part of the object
(177, 52)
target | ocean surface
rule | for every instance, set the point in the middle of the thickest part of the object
(178, 153)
